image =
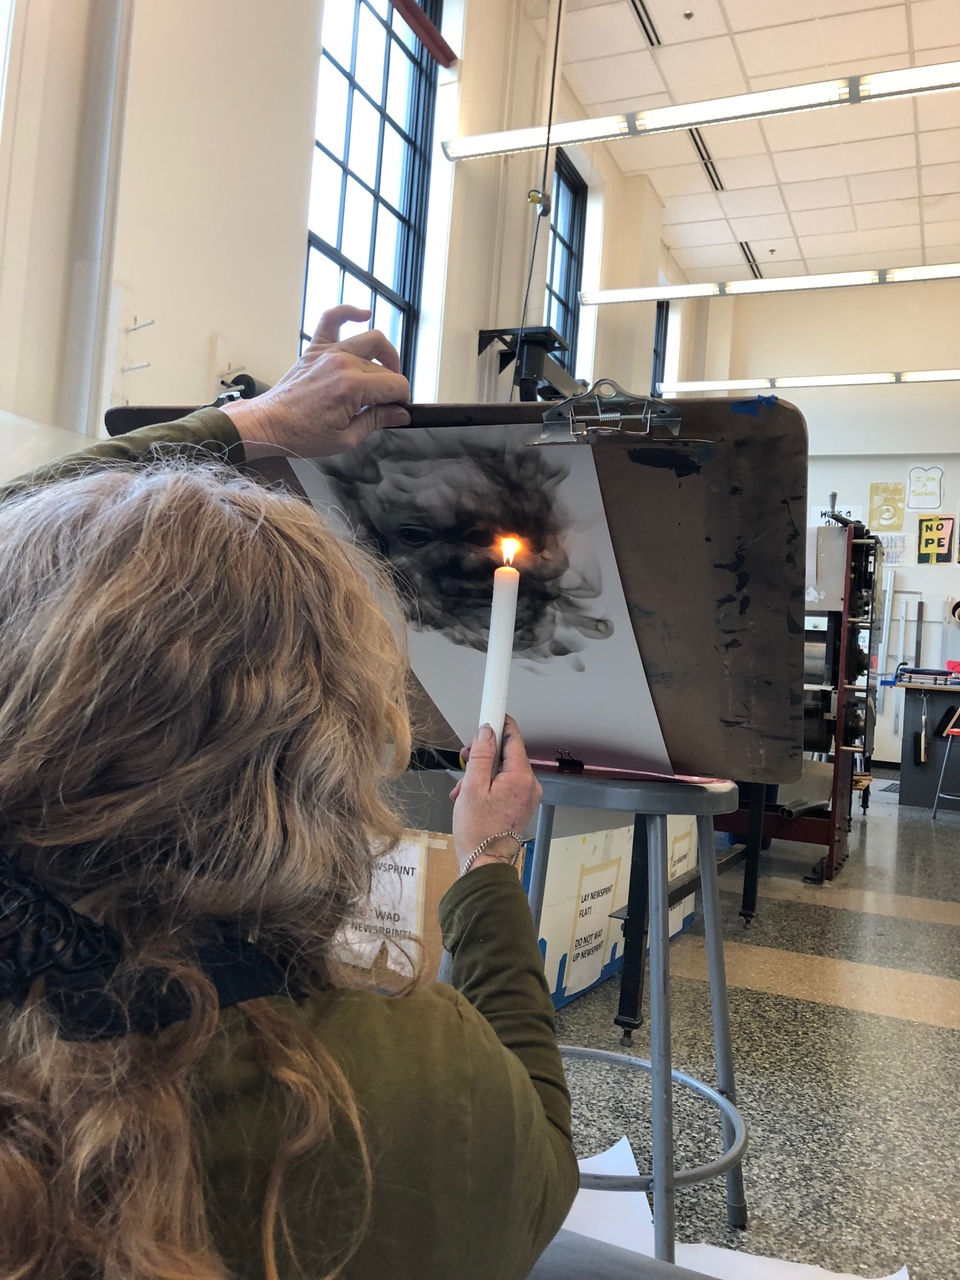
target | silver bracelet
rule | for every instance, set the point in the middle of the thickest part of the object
(481, 847)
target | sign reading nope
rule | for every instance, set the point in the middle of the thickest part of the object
(935, 540)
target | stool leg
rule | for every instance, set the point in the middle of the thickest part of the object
(719, 1008)
(634, 935)
(664, 1230)
(943, 773)
(541, 852)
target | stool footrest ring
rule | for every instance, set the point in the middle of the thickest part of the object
(681, 1177)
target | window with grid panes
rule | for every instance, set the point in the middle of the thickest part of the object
(371, 164)
(568, 215)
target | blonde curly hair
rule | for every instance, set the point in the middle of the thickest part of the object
(202, 698)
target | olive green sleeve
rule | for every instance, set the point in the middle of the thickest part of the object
(208, 433)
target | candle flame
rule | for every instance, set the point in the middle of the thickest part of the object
(509, 548)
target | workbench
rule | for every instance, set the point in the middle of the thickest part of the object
(918, 783)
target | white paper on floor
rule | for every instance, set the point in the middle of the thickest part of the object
(623, 1218)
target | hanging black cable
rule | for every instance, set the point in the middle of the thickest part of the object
(543, 203)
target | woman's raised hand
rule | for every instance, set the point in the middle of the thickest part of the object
(487, 802)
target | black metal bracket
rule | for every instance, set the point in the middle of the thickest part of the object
(538, 375)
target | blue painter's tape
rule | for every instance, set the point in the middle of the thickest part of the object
(752, 407)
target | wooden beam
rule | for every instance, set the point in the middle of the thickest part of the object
(428, 34)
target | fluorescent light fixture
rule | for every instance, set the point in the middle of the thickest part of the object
(695, 115)
(655, 293)
(779, 284)
(932, 375)
(791, 284)
(943, 271)
(812, 380)
(837, 380)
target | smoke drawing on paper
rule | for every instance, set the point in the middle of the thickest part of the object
(436, 515)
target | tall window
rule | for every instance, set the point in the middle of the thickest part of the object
(371, 164)
(568, 215)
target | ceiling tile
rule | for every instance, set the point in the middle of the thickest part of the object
(946, 53)
(683, 180)
(818, 162)
(823, 193)
(673, 27)
(741, 139)
(597, 33)
(876, 33)
(938, 233)
(899, 184)
(817, 222)
(804, 129)
(942, 253)
(941, 147)
(779, 249)
(772, 267)
(615, 106)
(829, 246)
(744, 15)
(888, 213)
(746, 171)
(782, 48)
(884, 239)
(831, 71)
(940, 208)
(618, 76)
(705, 275)
(863, 261)
(659, 151)
(701, 69)
(713, 255)
(767, 227)
(686, 234)
(879, 120)
(751, 202)
(935, 23)
(538, 8)
(877, 155)
(692, 208)
(940, 179)
(938, 110)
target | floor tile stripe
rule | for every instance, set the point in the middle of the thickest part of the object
(844, 984)
(871, 902)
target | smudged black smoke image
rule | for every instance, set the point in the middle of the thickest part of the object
(435, 507)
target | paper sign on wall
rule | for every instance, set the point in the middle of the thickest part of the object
(924, 487)
(935, 540)
(895, 550)
(394, 910)
(595, 899)
(887, 499)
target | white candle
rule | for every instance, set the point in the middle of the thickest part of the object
(503, 619)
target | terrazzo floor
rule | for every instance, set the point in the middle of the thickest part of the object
(854, 1157)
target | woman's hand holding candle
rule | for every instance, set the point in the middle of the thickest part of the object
(487, 802)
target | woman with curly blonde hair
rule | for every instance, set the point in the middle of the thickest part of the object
(201, 704)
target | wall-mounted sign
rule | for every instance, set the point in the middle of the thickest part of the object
(895, 549)
(935, 540)
(924, 488)
(887, 499)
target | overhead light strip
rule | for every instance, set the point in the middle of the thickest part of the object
(781, 284)
(696, 115)
(812, 380)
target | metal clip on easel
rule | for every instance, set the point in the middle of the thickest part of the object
(606, 409)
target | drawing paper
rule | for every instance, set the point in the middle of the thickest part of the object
(434, 503)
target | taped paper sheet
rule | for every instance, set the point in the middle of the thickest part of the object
(623, 1218)
(435, 503)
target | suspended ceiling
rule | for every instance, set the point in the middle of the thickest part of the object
(873, 185)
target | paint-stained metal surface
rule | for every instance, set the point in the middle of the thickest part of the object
(709, 535)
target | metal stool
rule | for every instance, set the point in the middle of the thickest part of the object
(950, 735)
(651, 802)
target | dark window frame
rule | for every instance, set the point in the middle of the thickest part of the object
(565, 302)
(417, 135)
(660, 328)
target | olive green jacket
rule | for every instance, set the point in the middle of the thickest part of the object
(460, 1088)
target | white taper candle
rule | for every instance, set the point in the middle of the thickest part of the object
(496, 676)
